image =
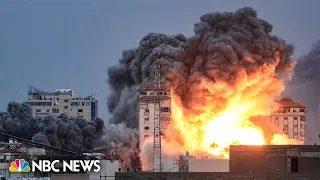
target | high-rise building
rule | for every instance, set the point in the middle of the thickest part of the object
(62, 101)
(154, 116)
(291, 118)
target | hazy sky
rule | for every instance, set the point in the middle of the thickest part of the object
(71, 43)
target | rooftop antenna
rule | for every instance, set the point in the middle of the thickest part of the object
(33, 89)
(157, 121)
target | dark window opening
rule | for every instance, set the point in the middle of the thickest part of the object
(66, 100)
(146, 128)
(294, 164)
(66, 107)
(285, 118)
(143, 93)
(301, 110)
(80, 110)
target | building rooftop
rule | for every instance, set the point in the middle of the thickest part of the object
(286, 102)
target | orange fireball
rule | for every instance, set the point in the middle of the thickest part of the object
(211, 128)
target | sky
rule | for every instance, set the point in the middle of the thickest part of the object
(53, 44)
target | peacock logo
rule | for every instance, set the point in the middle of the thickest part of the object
(19, 165)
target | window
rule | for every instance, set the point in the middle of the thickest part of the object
(277, 122)
(38, 110)
(83, 103)
(301, 126)
(285, 118)
(55, 110)
(48, 110)
(66, 107)
(295, 118)
(293, 110)
(143, 106)
(146, 111)
(146, 128)
(286, 122)
(146, 136)
(165, 109)
(80, 110)
(277, 118)
(301, 110)
(143, 93)
(66, 100)
(165, 93)
(146, 119)
(302, 118)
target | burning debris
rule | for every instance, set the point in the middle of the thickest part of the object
(230, 70)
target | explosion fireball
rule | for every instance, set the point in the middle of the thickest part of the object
(224, 81)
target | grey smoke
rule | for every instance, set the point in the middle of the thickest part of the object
(122, 139)
(75, 134)
(304, 87)
(223, 44)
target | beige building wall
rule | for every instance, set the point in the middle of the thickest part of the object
(147, 113)
(59, 102)
(291, 118)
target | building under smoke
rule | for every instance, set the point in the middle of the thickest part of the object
(70, 133)
(291, 118)
(233, 60)
(62, 101)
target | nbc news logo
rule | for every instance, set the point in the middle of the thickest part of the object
(20, 165)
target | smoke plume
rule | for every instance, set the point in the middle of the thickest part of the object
(225, 46)
(304, 88)
(231, 59)
(75, 134)
(124, 140)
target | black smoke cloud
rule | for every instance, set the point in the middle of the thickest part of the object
(75, 134)
(223, 46)
(123, 140)
(304, 87)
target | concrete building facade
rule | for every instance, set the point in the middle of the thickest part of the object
(62, 101)
(150, 111)
(291, 118)
(190, 163)
(275, 159)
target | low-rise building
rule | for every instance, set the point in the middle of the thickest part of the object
(275, 159)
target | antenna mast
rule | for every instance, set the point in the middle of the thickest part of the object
(157, 122)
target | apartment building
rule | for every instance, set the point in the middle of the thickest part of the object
(62, 101)
(154, 109)
(291, 118)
